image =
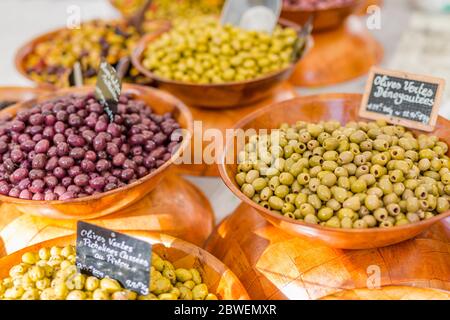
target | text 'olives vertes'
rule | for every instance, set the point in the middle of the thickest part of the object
(363, 175)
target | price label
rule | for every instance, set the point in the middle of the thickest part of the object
(108, 88)
(106, 253)
(402, 98)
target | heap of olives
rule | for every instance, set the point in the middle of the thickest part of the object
(52, 60)
(51, 274)
(363, 175)
(203, 51)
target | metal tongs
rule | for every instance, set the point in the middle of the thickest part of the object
(301, 45)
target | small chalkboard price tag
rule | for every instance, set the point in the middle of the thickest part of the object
(108, 88)
(106, 253)
(402, 98)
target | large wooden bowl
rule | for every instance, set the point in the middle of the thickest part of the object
(341, 107)
(323, 19)
(215, 96)
(176, 208)
(219, 279)
(273, 264)
(114, 200)
(19, 94)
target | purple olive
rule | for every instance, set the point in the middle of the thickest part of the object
(37, 185)
(50, 196)
(14, 192)
(17, 155)
(39, 161)
(127, 174)
(77, 153)
(102, 165)
(18, 126)
(76, 140)
(59, 172)
(36, 174)
(42, 146)
(62, 149)
(97, 183)
(59, 190)
(18, 175)
(90, 155)
(81, 180)
(4, 188)
(99, 143)
(24, 184)
(25, 194)
(66, 162)
(66, 181)
(51, 181)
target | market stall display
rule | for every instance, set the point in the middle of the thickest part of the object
(274, 264)
(176, 208)
(230, 74)
(95, 198)
(344, 109)
(209, 278)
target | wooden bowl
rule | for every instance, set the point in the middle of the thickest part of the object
(19, 94)
(29, 47)
(219, 279)
(215, 96)
(341, 107)
(273, 264)
(108, 202)
(323, 19)
(186, 214)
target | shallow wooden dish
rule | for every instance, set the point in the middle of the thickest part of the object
(344, 108)
(219, 279)
(176, 208)
(273, 264)
(323, 19)
(111, 201)
(19, 94)
(215, 96)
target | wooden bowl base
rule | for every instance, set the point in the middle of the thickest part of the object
(338, 55)
(175, 207)
(273, 264)
(223, 119)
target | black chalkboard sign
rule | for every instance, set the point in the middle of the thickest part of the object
(108, 88)
(105, 253)
(402, 98)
